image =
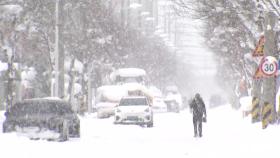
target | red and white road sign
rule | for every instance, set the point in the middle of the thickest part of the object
(269, 66)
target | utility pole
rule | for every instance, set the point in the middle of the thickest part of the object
(10, 52)
(257, 83)
(270, 49)
(59, 54)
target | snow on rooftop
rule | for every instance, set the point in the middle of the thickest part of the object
(246, 103)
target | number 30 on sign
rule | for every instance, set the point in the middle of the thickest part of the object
(269, 66)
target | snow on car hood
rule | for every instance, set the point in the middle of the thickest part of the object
(132, 109)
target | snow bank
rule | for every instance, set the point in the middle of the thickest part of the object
(246, 103)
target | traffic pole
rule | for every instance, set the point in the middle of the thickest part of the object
(270, 49)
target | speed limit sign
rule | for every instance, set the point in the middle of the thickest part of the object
(269, 66)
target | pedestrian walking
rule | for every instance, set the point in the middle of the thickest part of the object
(199, 114)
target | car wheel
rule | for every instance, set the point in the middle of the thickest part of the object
(8, 127)
(150, 124)
(78, 131)
(64, 131)
(75, 131)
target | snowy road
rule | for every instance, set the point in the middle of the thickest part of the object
(226, 134)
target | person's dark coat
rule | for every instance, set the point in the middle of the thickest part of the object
(198, 108)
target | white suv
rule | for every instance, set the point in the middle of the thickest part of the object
(135, 110)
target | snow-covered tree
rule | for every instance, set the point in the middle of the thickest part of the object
(92, 35)
(231, 30)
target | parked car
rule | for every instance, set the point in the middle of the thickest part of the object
(159, 105)
(37, 116)
(107, 97)
(105, 109)
(134, 110)
(172, 106)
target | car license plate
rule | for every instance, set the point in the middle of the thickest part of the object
(132, 118)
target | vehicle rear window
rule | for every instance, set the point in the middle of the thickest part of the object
(133, 101)
(43, 107)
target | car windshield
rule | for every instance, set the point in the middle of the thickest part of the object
(133, 101)
(41, 107)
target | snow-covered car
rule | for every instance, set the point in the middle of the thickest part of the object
(49, 119)
(108, 96)
(134, 110)
(159, 105)
(172, 106)
(105, 109)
